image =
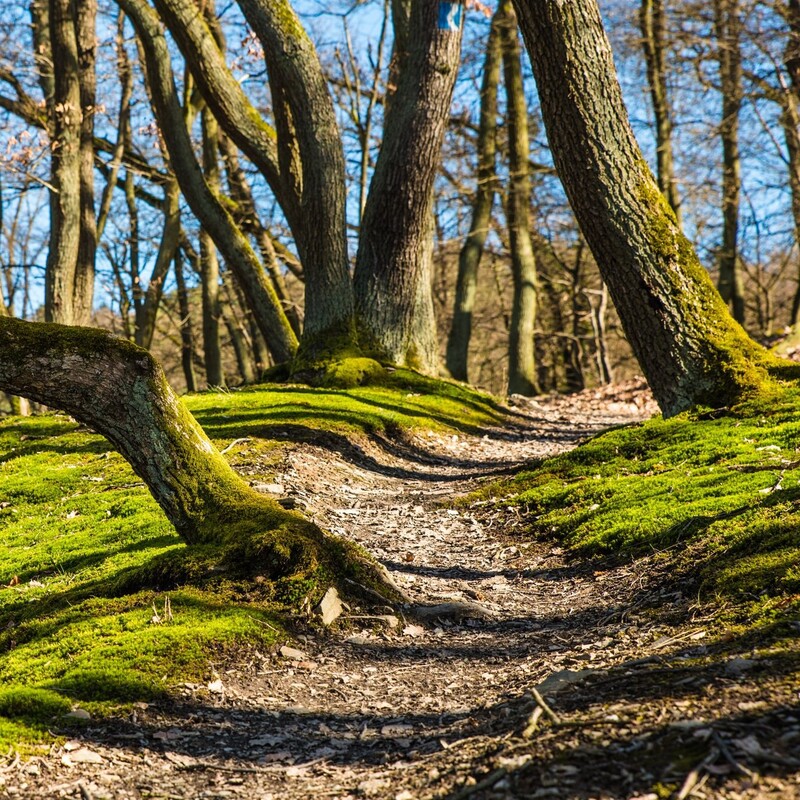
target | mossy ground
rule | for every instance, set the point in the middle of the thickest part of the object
(717, 498)
(86, 554)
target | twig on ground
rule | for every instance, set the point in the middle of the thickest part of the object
(693, 781)
(234, 443)
(728, 756)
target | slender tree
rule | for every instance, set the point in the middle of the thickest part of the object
(470, 256)
(728, 26)
(653, 25)
(521, 345)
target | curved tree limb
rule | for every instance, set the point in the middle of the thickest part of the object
(205, 204)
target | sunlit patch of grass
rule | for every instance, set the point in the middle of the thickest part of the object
(405, 401)
(75, 522)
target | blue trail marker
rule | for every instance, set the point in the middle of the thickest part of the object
(450, 15)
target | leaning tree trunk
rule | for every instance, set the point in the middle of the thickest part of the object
(689, 348)
(204, 202)
(119, 390)
(469, 259)
(396, 228)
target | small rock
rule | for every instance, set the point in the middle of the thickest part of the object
(82, 756)
(293, 654)
(78, 713)
(330, 607)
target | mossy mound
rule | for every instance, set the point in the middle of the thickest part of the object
(102, 604)
(717, 491)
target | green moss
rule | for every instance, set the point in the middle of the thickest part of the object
(719, 496)
(729, 366)
(88, 560)
(32, 705)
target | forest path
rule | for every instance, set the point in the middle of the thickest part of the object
(436, 711)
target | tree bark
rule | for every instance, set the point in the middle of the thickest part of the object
(394, 306)
(187, 339)
(470, 256)
(728, 31)
(652, 21)
(209, 263)
(311, 160)
(521, 342)
(65, 194)
(689, 348)
(85, 24)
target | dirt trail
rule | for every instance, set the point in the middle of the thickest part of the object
(438, 710)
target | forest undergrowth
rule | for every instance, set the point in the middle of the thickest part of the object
(641, 590)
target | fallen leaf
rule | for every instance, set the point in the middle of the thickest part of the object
(413, 630)
(216, 687)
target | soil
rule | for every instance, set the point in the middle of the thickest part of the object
(568, 679)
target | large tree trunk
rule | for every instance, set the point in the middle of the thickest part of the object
(521, 343)
(652, 21)
(119, 390)
(689, 348)
(390, 274)
(469, 258)
(728, 31)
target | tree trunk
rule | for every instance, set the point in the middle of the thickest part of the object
(237, 334)
(204, 202)
(209, 263)
(247, 216)
(652, 20)
(119, 390)
(187, 340)
(167, 247)
(790, 122)
(689, 348)
(470, 257)
(392, 292)
(728, 31)
(521, 343)
(312, 162)
(83, 292)
(65, 194)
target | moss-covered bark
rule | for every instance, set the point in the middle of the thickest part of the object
(120, 391)
(690, 349)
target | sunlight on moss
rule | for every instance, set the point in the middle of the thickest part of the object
(727, 490)
(85, 548)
